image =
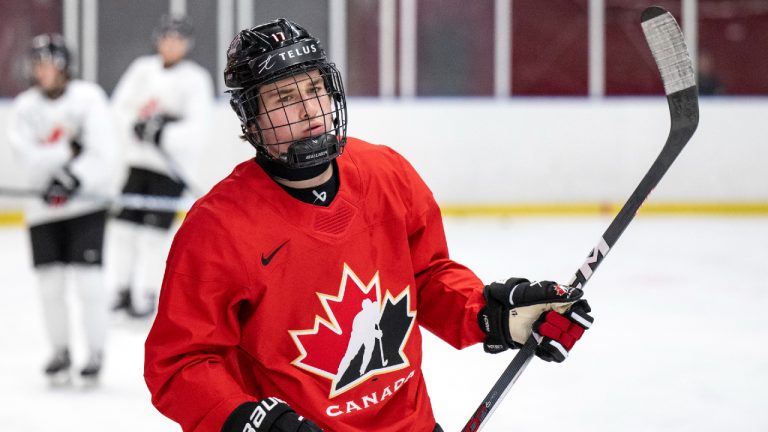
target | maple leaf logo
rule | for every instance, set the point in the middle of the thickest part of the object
(361, 335)
(55, 135)
(149, 109)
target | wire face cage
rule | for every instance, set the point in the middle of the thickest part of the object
(299, 120)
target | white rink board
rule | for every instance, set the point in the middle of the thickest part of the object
(571, 150)
(534, 150)
(677, 345)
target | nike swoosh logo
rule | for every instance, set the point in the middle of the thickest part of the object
(266, 261)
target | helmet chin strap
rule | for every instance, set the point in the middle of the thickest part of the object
(306, 158)
(277, 169)
(312, 151)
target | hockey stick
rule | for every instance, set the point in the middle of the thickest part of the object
(175, 172)
(384, 361)
(130, 201)
(667, 45)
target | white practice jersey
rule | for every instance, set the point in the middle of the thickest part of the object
(183, 91)
(41, 132)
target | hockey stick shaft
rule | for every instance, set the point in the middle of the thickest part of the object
(129, 201)
(384, 361)
(176, 172)
(381, 347)
(668, 48)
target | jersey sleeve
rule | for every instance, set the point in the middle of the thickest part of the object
(185, 139)
(122, 96)
(123, 101)
(39, 161)
(196, 327)
(96, 164)
(449, 294)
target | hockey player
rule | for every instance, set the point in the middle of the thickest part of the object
(296, 289)
(62, 134)
(163, 104)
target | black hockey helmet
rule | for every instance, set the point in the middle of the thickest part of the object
(273, 52)
(175, 25)
(52, 47)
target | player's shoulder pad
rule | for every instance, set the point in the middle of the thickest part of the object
(194, 67)
(26, 98)
(372, 153)
(143, 64)
(86, 89)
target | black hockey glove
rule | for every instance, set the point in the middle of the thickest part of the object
(76, 148)
(62, 186)
(517, 307)
(151, 129)
(268, 415)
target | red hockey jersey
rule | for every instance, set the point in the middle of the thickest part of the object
(265, 295)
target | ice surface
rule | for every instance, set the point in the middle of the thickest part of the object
(678, 342)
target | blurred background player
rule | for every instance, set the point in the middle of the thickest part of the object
(163, 104)
(61, 131)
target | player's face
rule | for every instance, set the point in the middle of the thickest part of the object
(47, 75)
(294, 108)
(172, 48)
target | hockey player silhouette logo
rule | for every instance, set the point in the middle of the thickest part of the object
(362, 334)
(365, 333)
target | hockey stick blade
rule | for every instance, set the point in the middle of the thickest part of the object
(665, 39)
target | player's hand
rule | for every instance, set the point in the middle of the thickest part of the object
(61, 187)
(76, 148)
(516, 308)
(268, 415)
(150, 130)
(559, 332)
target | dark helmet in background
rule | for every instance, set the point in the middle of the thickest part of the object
(272, 52)
(175, 25)
(52, 47)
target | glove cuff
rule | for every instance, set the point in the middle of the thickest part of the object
(256, 416)
(493, 318)
(490, 323)
(239, 417)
